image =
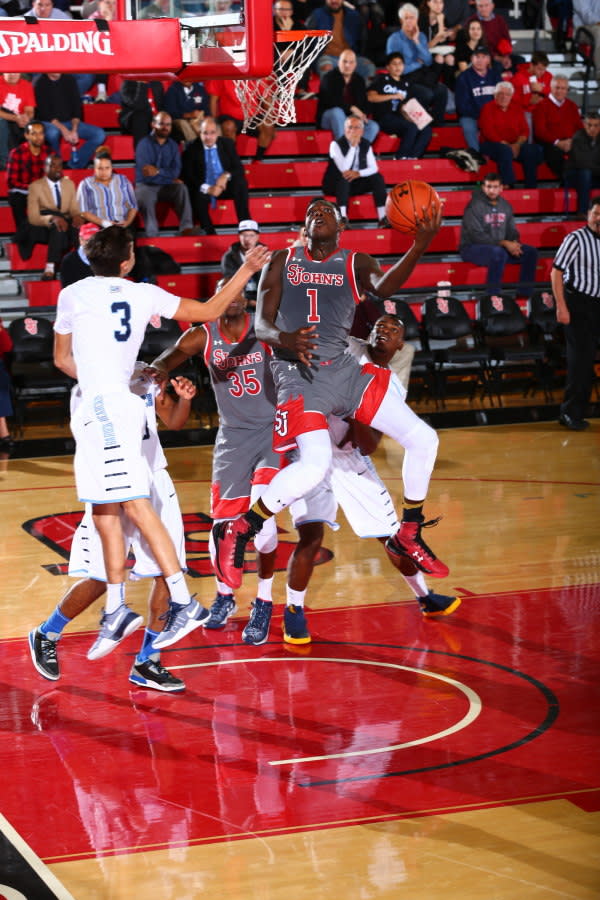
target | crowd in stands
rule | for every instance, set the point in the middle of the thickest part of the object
(399, 70)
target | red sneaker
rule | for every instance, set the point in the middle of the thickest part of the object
(230, 540)
(408, 542)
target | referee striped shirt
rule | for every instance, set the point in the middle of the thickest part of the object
(578, 258)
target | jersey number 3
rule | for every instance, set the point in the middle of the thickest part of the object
(124, 311)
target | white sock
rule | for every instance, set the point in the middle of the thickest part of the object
(294, 598)
(417, 584)
(265, 589)
(115, 595)
(223, 588)
(380, 212)
(178, 588)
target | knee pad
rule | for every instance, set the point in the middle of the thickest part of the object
(266, 539)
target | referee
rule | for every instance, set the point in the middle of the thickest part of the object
(575, 280)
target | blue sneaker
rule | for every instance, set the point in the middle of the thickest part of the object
(295, 629)
(150, 674)
(180, 621)
(114, 627)
(257, 630)
(222, 608)
(437, 605)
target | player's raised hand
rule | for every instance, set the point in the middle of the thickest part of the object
(428, 223)
(258, 257)
(301, 342)
(183, 387)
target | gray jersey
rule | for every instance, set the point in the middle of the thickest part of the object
(241, 377)
(323, 293)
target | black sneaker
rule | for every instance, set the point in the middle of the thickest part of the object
(295, 627)
(43, 654)
(437, 605)
(151, 674)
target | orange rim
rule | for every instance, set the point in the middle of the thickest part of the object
(282, 37)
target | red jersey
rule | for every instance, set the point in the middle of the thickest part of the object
(15, 97)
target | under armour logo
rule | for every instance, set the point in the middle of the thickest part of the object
(418, 557)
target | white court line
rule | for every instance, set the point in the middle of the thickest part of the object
(475, 704)
(34, 861)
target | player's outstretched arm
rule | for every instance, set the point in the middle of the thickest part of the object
(384, 284)
(175, 411)
(194, 311)
(191, 342)
(300, 342)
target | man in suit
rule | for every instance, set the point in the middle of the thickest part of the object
(157, 171)
(53, 213)
(211, 169)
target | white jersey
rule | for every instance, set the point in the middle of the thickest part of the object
(107, 318)
(142, 386)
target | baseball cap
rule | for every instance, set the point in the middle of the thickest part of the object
(481, 48)
(504, 47)
(87, 230)
(248, 225)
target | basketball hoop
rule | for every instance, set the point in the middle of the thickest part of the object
(270, 100)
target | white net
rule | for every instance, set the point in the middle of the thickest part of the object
(270, 100)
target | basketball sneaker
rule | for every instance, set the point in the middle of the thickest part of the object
(257, 630)
(231, 539)
(222, 608)
(295, 628)
(180, 621)
(408, 542)
(114, 627)
(43, 654)
(437, 605)
(150, 674)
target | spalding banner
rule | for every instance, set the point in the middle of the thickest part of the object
(149, 45)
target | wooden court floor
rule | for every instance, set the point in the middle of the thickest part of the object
(396, 757)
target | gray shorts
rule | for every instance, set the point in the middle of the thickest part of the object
(242, 457)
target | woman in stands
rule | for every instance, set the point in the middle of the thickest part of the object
(467, 39)
(106, 198)
(433, 25)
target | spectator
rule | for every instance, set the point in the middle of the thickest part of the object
(53, 214)
(6, 410)
(532, 81)
(555, 121)
(489, 236)
(17, 103)
(494, 26)
(432, 23)
(211, 169)
(583, 165)
(157, 170)
(226, 110)
(456, 13)
(504, 137)
(140, 101)
(284, 19)
(106, 197)
(59, 107)
(45, 9)
(75, 265)
(474, 88)
(587, 13)
(352, 170)
(387, 94)
(187, 102)
(159, 9)
(235, 256)
(107, 10)
(347, 34)
(25, 164)
(343, 93)
(419, 67)
(467, 39)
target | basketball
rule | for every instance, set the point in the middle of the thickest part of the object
(405, 204)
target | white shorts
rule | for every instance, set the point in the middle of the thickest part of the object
(109, 464)
(352, 483)
(86, 559)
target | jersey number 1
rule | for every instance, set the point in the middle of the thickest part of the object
(313, 315)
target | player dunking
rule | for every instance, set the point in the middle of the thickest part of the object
(306, 303)
(100, 325)
(243, 460)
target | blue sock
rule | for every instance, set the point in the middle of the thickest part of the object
(53, 626)
(146, 650)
